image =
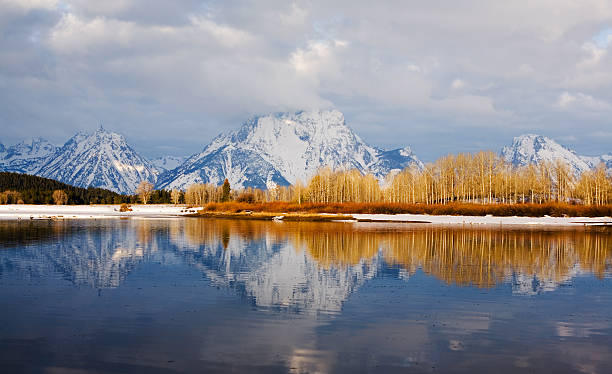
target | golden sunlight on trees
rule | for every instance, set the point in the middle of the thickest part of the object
(481, 178)
(175, 196)
(199, 194)
(10, 197)
(144, 191)
(477, 257)
(60, 197)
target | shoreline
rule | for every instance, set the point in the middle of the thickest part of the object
(442, 220)
(60, 212)
(103, 211)
(488, 220)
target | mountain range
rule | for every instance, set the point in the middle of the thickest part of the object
(100, 159)
(266, 151)
(533, 149)
(27, 156)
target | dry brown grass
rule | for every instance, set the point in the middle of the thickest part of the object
(266, 215)
(457, 209)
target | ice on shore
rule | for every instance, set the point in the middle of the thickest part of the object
(25, 211)
(167, 210)
(485, 220)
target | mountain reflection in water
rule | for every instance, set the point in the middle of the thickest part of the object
(306, 266)
(200, 295)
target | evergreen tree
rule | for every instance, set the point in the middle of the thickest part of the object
(226, 191)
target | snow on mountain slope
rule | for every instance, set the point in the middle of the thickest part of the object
(530, 284)
(532, 149)
(27, 156)
(165, 163)
(595, 161)
(280, 149)
(279, 274)
(394, 160)
(102, 159)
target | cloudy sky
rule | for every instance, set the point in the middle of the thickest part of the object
(441, 76)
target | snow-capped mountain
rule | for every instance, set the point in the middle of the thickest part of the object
(27, 156)
(165, 163)
(282, 148)
(274, 272)
(532, 149)
(530, 284)
(595, 161)
(101, 159)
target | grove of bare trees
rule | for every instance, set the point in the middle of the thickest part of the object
(10, 197)
(482, 177)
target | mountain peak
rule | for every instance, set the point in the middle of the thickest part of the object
(529, 136)
(99, 159)
(282, 148)
(32, 143)
(104, 133)
(406, 151)
(165, 163)
(532, 149)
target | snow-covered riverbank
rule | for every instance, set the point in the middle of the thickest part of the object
(165, 211)
(486, 220)
(90, 211)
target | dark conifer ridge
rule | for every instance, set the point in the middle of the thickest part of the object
(32, 189)
(38, 190)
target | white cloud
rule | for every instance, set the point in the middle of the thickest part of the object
(205, 66)
(27, 5)
(74, 34)
(526, 69)
(99, 8)
(307, 60)
(458, 84)
(413, 68)
(581, 101)
(565, 99)
(594, 55)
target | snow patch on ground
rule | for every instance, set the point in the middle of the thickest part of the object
(91, 211)
(164, 211)
(486, 220)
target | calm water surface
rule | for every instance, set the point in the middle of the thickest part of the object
(198, 295)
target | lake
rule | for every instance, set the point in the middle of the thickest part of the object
(202, 295)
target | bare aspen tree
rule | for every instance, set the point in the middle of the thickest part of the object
(144, 191)
(175, 196)
(298, 190)
(60, 197)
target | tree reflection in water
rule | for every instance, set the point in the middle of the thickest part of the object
(419, 296)
(271, 260)
(534, 260)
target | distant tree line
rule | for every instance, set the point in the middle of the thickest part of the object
(481, 178)
(204, 193)
(16, 188)
(30, 189)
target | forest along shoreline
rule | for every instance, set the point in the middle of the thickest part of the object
(444, 214)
